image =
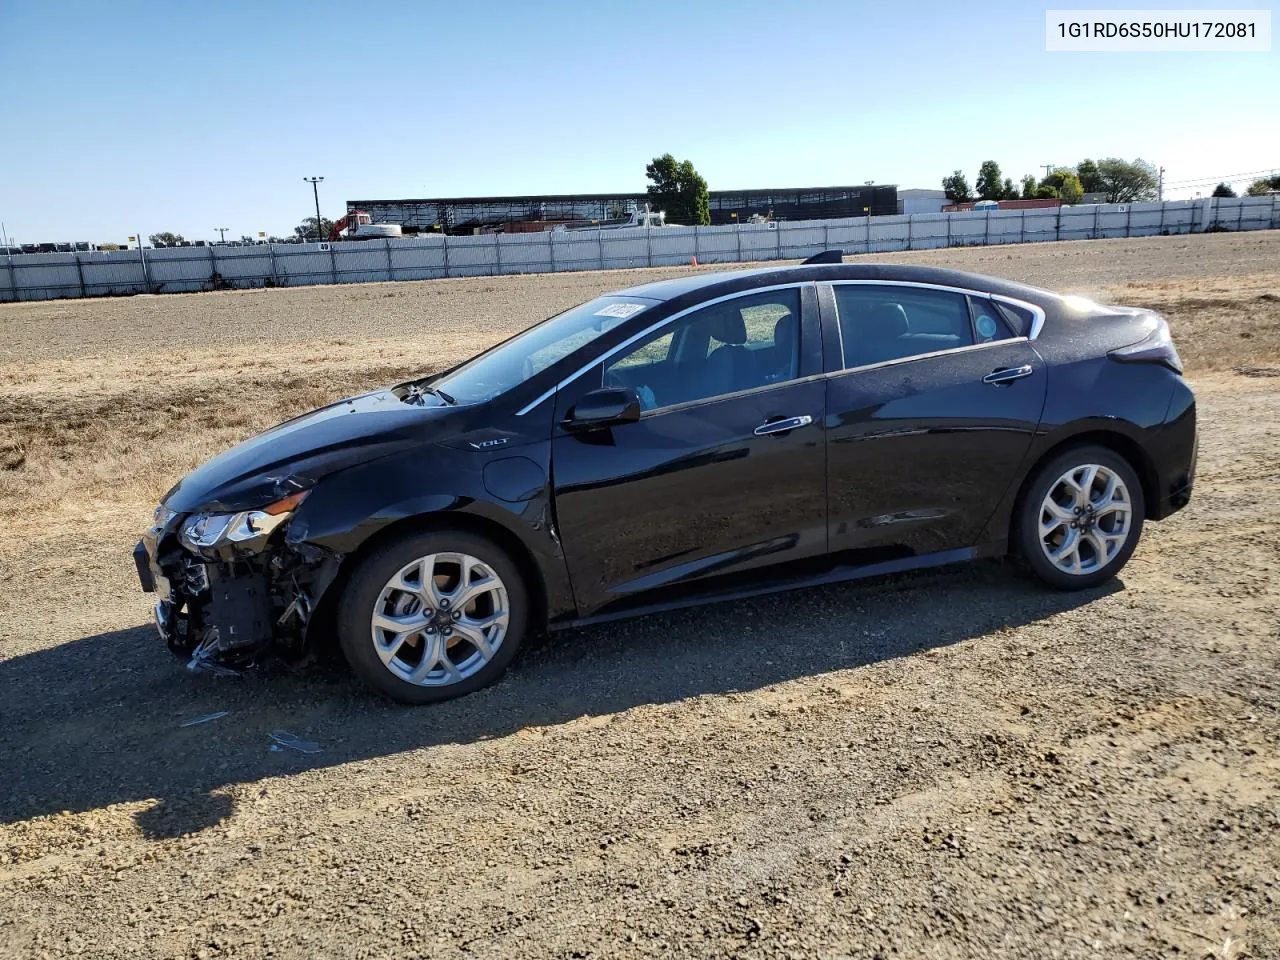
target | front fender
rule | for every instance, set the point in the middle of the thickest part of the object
(346, 509)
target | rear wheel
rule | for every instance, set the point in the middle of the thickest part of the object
(433, 616)
(1080, 518)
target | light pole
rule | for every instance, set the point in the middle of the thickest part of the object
(315, 189)
(222, 232)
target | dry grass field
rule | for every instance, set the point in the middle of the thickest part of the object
(949, 765)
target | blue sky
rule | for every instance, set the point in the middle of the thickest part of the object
(121, 116)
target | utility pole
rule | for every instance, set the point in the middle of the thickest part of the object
(1160, 186)
(315, 189)
(222, 231)
(1048, 168)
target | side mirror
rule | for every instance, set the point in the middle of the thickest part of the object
(604, 408)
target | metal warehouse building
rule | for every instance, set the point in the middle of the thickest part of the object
(468, 214)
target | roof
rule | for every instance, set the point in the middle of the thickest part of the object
(732, 281)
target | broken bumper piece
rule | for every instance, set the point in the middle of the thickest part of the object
(220, 615)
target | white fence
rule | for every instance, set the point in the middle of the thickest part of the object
(183, 269)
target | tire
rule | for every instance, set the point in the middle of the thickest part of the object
(1079, 563)
(389, 583)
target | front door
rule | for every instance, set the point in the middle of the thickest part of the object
(724, 474)
(928, 421)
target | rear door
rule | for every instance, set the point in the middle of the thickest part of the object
(933, 401)
(723, 476)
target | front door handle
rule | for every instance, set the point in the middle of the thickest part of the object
(1007, 375)
(783, 426)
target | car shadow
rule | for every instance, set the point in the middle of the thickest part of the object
(99, 720)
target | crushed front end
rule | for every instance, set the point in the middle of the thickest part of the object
(230, 586)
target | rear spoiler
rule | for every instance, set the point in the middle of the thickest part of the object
(826, 256)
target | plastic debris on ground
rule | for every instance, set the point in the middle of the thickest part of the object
(287, 741)
(204, 719)
(199, 665)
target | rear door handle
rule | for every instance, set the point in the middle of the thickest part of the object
(1007, 375)
(783, 426)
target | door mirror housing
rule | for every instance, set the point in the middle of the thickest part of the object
(604, 408)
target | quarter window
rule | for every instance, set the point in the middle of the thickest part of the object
(1020, 318)
(740, 344)
(879, 323)
(988, 323)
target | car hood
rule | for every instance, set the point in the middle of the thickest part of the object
(308, 448)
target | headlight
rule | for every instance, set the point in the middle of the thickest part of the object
(249, 528)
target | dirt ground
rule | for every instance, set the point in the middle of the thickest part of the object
(956, 764)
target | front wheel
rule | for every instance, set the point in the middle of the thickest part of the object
(1080, 518)
(433, 616)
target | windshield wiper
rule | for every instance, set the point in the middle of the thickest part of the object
(415, 392)
(442, 395)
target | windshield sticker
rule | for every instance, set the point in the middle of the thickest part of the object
(621, 310)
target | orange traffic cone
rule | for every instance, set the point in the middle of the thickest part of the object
(693, 261)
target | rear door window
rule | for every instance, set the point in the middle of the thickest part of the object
(886, 322)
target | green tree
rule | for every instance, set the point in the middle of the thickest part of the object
(1009, 191)
(679, 190)
(957, 187)
(1263, 186)
(307, 229)
(1028, 187)
(1046, 192)
(1071, 190)
(989, 184)
(1124, 181)
(1090, 179)
(1066, 183)
(1223, 190)
(165, 239)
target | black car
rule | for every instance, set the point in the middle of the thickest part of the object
(675, 443)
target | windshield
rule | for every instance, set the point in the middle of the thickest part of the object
(512, 363)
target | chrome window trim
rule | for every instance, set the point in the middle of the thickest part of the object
(829, 375)
(737, 394)
(1037, 316)
(1037, 313)
(910, 283)
(896, 361)
(796, 285)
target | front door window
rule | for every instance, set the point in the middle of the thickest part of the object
(738, 345)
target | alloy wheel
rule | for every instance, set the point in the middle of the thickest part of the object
(440, 619)
(1085, 519)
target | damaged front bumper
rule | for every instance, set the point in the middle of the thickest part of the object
(223, 608)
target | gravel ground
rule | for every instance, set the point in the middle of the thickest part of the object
(954, 764)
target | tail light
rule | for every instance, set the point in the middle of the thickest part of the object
(1156, 347)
